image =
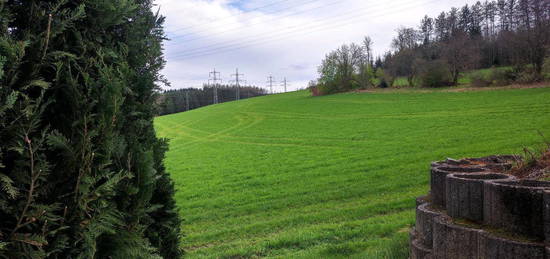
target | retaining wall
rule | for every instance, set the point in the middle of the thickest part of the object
(475, 211)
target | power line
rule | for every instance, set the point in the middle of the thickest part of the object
(215, 77)
(270, 82)
(235, 43)
(259, 22)
(320, 20)
(237, 86)
(271, 39)
(231, 16)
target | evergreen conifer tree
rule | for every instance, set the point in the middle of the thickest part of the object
(81, 171)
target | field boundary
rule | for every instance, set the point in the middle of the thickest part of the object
(453, 89)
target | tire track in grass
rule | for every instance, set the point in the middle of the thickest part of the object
(504, 109)
(213, 136)
(237, 128)
(288, 201)
(297, 218)
(239, 208)
(241, 180)
(311, 236)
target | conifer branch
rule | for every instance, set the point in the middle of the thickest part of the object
(34, 178)
(47, 36)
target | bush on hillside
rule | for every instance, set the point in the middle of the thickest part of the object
(546, 69)
(433, 74)
(385, 80)
(313, 88)
(528, 76)
(479, 79)
(502, 76)
(495, 77)
(383, 83)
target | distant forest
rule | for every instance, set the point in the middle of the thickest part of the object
(180, 100)
(510, 33)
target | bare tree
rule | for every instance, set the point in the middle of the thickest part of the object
(365, 65)
(367, 45)
(407, 38)
(427, 29)
(461, 54)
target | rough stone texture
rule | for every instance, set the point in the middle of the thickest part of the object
(424, 224)
(497, 163)
(465, 194)
(421, 200)
(515, 206)
(418, 251)
(546, 217)
(438, 181)
(491, 246)
(412, 234)
(451, 241)
(472, 189)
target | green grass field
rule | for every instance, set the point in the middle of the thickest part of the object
(294, 176)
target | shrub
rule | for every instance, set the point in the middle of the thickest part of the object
(495, 77)
(434, 74)
(502, 77)
(479, 79)
(383, 83)
(81, 168)
(528, 76)
(385, 80)
(313, 87)
(546, 69)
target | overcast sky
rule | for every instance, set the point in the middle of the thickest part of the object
(283, 38)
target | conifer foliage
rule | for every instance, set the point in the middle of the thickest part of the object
(81, 171)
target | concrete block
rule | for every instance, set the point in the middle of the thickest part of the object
(451, 241)
(491, 247)
(424, 224)
(438, 181)
(465, 194)
(515, 206)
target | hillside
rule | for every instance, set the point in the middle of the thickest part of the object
(334, 176)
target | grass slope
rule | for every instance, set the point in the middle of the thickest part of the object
(328, 177)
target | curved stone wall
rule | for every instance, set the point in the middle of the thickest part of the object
(516, 206)
(438, 179)
(475, 211)
(465, 194)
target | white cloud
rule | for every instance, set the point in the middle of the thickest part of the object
(287, 38)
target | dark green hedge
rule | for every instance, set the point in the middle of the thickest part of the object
(81, 171)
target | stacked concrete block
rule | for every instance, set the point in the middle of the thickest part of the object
(454, 241)
(465, 194)
(439, 177)
(425, 217)
(516, 206)
(546, 217)
(493, 246)
(475, 211)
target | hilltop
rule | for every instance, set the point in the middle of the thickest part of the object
(291, 175)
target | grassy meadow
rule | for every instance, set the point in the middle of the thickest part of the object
(294, 176)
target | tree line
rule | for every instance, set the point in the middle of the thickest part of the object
(503, 33)
(81, 168)
(180, 100)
